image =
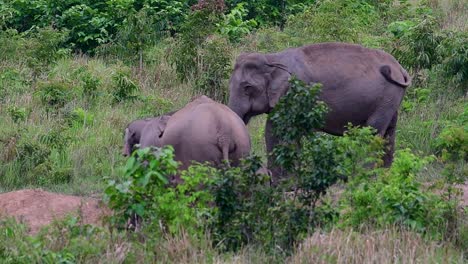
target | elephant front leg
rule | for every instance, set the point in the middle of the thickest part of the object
(277, 173)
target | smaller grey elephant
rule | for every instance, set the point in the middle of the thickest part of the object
(134, 130)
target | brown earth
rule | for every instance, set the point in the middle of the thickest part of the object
(37, 208)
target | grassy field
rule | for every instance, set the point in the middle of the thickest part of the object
(61, 129)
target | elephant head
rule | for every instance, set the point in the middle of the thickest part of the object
(256, 85)
(132, 135)
(134, 131)
(153, 131)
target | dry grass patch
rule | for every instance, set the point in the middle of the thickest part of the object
(386, 246)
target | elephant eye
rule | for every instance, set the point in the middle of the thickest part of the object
(248, 89)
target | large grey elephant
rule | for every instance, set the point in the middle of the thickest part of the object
(360, 86)
(202, 131)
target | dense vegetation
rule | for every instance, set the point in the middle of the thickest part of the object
(74, 73)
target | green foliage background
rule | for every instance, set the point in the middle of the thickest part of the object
(74, 73)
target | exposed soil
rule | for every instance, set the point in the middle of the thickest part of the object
(37, 208)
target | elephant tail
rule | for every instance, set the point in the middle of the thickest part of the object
(393, 77)
(224, 145)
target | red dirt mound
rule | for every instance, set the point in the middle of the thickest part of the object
(37, 208)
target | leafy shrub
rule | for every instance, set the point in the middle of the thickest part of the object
(452, 146)
(332, 21)
(271, 12)
(453, 51)
(395, 198)
(65, 241)
(12, 82)
(294, 127)
(137, 32)
(40, 160)
(54, 94)
(193, 32)
(145, 196)
(202, 55)
(17, 114)
(251, 211)
(90, 85)
(360, 149)
(453, 142)
(56, 138)
(79, 118)
(244, 202)
(124, 87)
(155, 106)
(44, 46)
(234, 26)
(415, 97)
(416, 49)
(214, 58)
(31, 153)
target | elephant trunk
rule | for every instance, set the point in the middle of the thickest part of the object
(126, 150)
(236, 109)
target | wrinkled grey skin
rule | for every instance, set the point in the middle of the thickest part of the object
(202, 131)
(360, 85)
(133, 132)
(153, 131)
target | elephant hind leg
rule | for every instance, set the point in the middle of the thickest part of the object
(390, 141)
(385, 124)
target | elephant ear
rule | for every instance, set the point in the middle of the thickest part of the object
(127, 150)
(278, 82)
(162, 123)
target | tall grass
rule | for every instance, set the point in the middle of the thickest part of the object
(65, 240)
(384, 246)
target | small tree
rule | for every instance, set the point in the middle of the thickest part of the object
(310, 158)
(251, 211)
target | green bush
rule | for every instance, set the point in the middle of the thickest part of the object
(340, 20)
(145, 197)
(395, 198)
(124, 88)
(12, 82)
(65, 241)
(452, 147)
(360, 149)
(90, 86)
(17, 114)
(79, 118)
(202, 55)
(234, 26)
(193, 33)
(271, 12)
(416, 49)
(415, 97)
(54, 94)
(44, 46)
(154, 106)
(214, 57)
(245, 202)
(251, 211)
(453, 52)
